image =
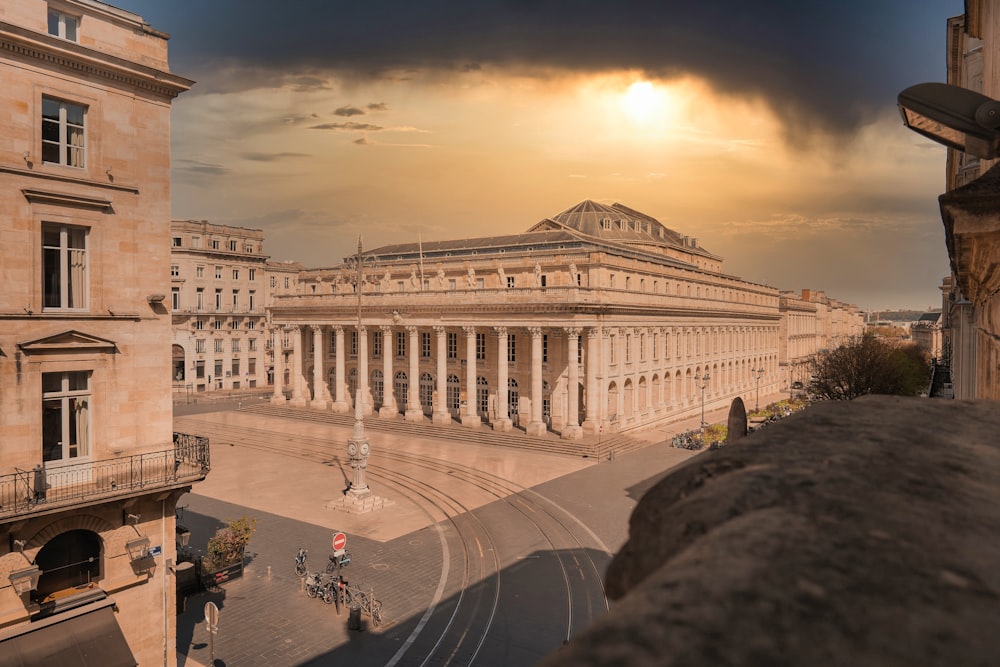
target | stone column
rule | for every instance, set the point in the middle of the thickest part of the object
(502, 421)
(388, 409)
(340, 402)
(441, 414)
(469, 416)
(591, 424)
(320, 394)
(414, 413)
(363, 369)
(572, 430)
(299, 397)
(279, 365)
(535, 424)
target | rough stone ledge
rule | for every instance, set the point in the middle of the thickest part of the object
(853, 533)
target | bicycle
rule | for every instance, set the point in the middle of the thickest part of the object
(300, 562)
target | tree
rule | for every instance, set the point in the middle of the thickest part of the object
(868, 364)
(227, 547)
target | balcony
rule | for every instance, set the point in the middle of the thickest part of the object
(22, 493)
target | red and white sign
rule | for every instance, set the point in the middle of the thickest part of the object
(339, 541)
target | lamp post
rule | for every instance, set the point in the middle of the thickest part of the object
(702, 383)
(758, 374)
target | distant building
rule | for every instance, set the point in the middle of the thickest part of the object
(598, 319)
(811, 323)
(90, 469)
(221, 284)
(926, 333)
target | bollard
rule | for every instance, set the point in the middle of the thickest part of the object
(269, 573)
(354, 618)
(302, 584)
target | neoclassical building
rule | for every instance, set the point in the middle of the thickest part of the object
(597, 319)
(90, 469)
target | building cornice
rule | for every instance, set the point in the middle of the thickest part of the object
(83, 61)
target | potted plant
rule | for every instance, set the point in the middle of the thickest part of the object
(225, 551)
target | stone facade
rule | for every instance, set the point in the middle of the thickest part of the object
(971, 215)
(598, 319)
(84, 325)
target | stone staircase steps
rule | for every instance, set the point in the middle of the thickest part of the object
(589, 447)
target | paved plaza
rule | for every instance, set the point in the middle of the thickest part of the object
(265, 616)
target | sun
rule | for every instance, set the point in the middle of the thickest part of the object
(641, 101)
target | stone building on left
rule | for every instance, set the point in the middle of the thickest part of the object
(90, 468)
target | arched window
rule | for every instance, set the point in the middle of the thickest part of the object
(482, 396)
(401, 386)
(68, 560)
(377, 387)
(453, 391)
(427, 392)
(512, 399)
(352, 383)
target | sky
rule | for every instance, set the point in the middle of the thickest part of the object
(768, 130)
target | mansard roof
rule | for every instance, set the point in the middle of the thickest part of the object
(588, 223)
(616, 222)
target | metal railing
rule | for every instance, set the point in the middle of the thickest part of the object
(28, 491)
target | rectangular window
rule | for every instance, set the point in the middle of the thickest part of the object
(425, 344)
(199, 272)
(400, 344)
(218, 370)
(481, 347)
(200, 298)
(377, 343)
(656, 346)
(236, 368)
(511, 348)
(175, 298)
(452, 283)
(400, 286)
(218, 346)
(236, 299)
(196, 242)
(251, 323)
(218, 299)
(199, 346)
(480, 283)
(354, 343)
(252, 274)
(611, 351)
(545, 348)
(214, 245)
(65, 415)
(63, 25)
(218, 273)
(452, 345)
(199, 368)
(642, 347)
(64, 266)
(236, 274)
(510, 282)
(232, 246)
(217, 324)
(251, 366)
(176, 242)
(199, 324)
(252, 345)
(628, 348)
(175, 271)
(274, 281)
(234, 324)
(287, 282)
(253, 299)
(333, 343)
(235, 345)
(62, 132)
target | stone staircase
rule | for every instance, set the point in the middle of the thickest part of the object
(589, 447)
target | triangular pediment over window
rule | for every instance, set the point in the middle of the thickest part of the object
(67, 341)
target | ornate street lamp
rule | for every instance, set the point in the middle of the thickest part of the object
(758, 374)
(702, 383)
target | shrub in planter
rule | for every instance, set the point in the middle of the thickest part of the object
(229, 543)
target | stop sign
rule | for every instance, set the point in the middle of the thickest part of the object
(339, 541)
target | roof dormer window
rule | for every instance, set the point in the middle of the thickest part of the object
(63, 25)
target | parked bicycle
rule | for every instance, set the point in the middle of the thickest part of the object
(344, 561)
(365, 600)
(300, 562)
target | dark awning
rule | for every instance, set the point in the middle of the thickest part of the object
(88, 636)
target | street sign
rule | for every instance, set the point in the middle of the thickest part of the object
(211, 616)
(339, 541)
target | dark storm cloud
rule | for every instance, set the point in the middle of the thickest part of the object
(348, 112)
(818, 64)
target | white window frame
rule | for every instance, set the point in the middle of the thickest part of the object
(63, 142)
(64, 271)
(68, 400)
(66, 26)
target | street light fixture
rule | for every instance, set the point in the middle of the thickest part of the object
(954, 116)
(758, 374)
(702, 383)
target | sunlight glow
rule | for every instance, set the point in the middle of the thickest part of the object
(642, 101)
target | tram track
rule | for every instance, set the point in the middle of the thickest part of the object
(462, 636)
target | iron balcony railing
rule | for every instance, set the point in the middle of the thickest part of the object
(28, 491)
